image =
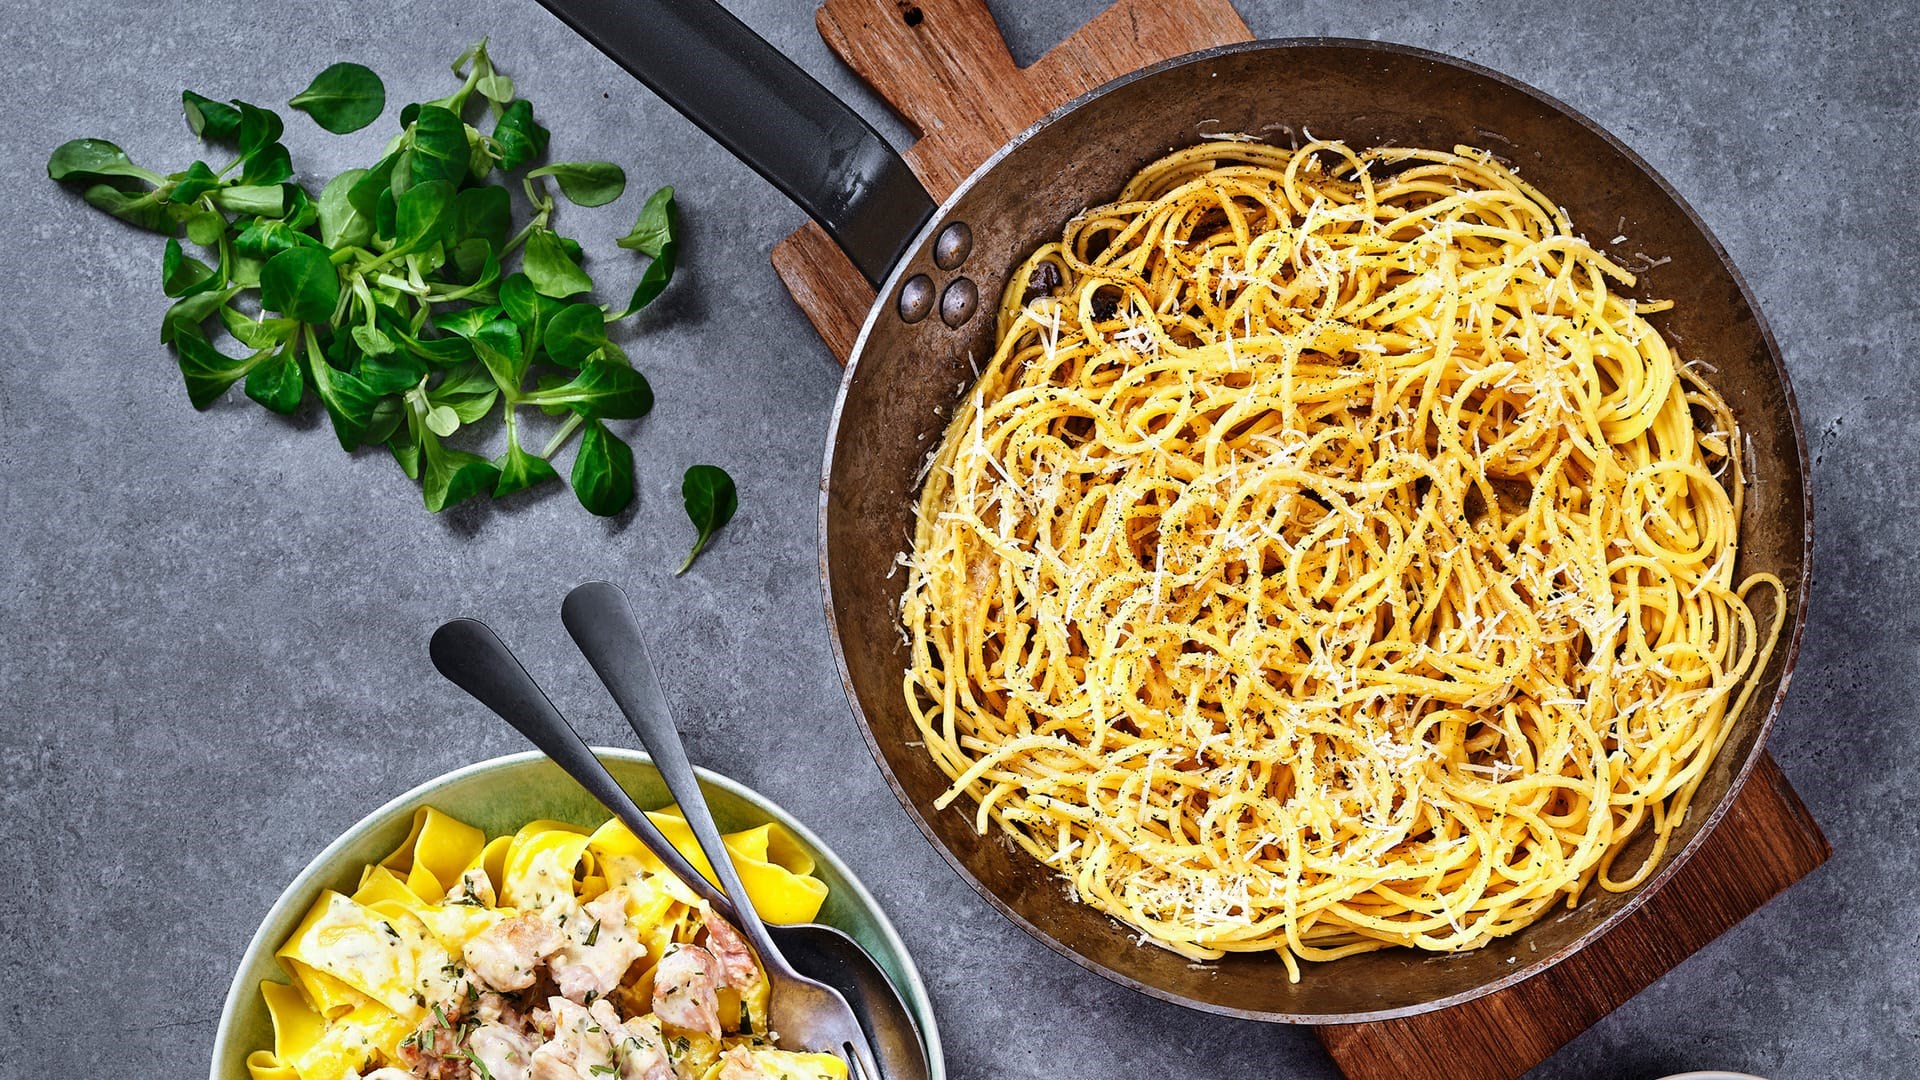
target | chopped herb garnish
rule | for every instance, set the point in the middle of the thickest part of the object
(593, 935)
(478, 1065)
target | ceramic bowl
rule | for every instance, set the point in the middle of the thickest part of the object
(503, 794)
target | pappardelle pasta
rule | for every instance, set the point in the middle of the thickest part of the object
(551, 953)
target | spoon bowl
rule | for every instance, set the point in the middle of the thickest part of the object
(805, 1012)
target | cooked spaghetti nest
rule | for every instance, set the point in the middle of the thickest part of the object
(1330, 558)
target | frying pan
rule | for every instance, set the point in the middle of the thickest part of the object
(939, 271)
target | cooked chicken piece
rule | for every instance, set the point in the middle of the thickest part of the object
(603, 948)
(581, 1049)
(505, 1054)
(388, 1073)
(502, 1010)
(683, 990)
(637, 1044)
(430, 1053)
(737, 968)
(507, 955)
(474, 887)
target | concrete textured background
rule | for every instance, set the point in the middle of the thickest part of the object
(215, 625)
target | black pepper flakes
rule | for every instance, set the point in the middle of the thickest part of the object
(1044, 279)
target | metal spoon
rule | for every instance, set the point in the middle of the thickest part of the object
(814, 1015)
(600, 618)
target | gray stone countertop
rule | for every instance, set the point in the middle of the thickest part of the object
(215, 624)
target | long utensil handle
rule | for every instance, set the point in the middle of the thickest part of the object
(474, 658)
(769, 113)
(601, 621)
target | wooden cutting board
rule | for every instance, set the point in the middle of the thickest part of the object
(946, 71)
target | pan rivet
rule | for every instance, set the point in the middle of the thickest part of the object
(951, 249)
(958, 302)
(916, 298)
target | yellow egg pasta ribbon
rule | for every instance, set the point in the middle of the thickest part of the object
(775, 869)
(366, 967)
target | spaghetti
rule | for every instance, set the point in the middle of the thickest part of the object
(1330, 559)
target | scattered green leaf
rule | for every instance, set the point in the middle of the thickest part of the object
(600, 392)
(341, 225)
(519, 469)
(207, 370)
(498, 346)
(483, 213)
(653, 230)
(266, 200)
(711, 500)
(345, 97)
(551, 270)
(348, 401)
(439, 146)
(518, 137)
(603, 471)
(197, 180)
(211, 120)
(276, 382)
(182, 274)
(271, 165)
(451, 477)
(586, 183)
(97, 161)
(574, 334)
(300, 283)
(655, 233)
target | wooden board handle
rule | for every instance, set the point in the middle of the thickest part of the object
(1766, 842)
(944, 68)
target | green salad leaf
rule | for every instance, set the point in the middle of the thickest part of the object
(413, 297)
(345, 97)
(711, 501)
(603, 471)
(586, 183)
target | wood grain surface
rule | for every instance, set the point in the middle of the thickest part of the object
(1766, 842)
(943, 66)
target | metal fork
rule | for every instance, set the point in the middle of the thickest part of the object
(803, 1011)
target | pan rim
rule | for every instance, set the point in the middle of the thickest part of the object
(1800, 596)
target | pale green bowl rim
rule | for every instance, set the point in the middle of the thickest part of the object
(229, 1058)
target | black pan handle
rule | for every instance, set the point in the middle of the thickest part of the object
(769, 113)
